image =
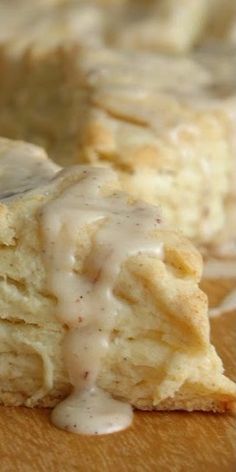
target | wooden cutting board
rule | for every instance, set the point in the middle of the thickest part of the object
(159, 442)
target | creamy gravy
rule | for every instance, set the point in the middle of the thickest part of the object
(86, 303)
(23, 168)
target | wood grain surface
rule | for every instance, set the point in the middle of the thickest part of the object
(159, 442)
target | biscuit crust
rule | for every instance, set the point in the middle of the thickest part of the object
(160, 356)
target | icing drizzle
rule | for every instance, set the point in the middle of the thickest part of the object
(86, 303)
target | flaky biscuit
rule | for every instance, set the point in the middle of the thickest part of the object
(46, 25)
(220, 63)
(160, 356)
(42, 101)
(159, 25)
(138, 113)
(174, 27)
(164, 136)
(164, 25)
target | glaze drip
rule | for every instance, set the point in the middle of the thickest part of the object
(86, 303)
(24, 167)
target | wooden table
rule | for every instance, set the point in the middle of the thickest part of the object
(158, 442)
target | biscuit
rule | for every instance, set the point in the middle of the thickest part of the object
(159, 355)
(39, 77)
(168, 145)
(47, 25)
(42, 102)
(163, 132)
(159, 25)
(170, 27)
(163, 135)
(163, 25)
(220, 64)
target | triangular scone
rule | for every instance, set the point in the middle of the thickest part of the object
(164, 134)
(150, 117)
(159, 354)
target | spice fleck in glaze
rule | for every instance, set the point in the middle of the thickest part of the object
(86, 303)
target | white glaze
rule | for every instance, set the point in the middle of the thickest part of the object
(86, 304)
(92, 412)
(23, 168)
